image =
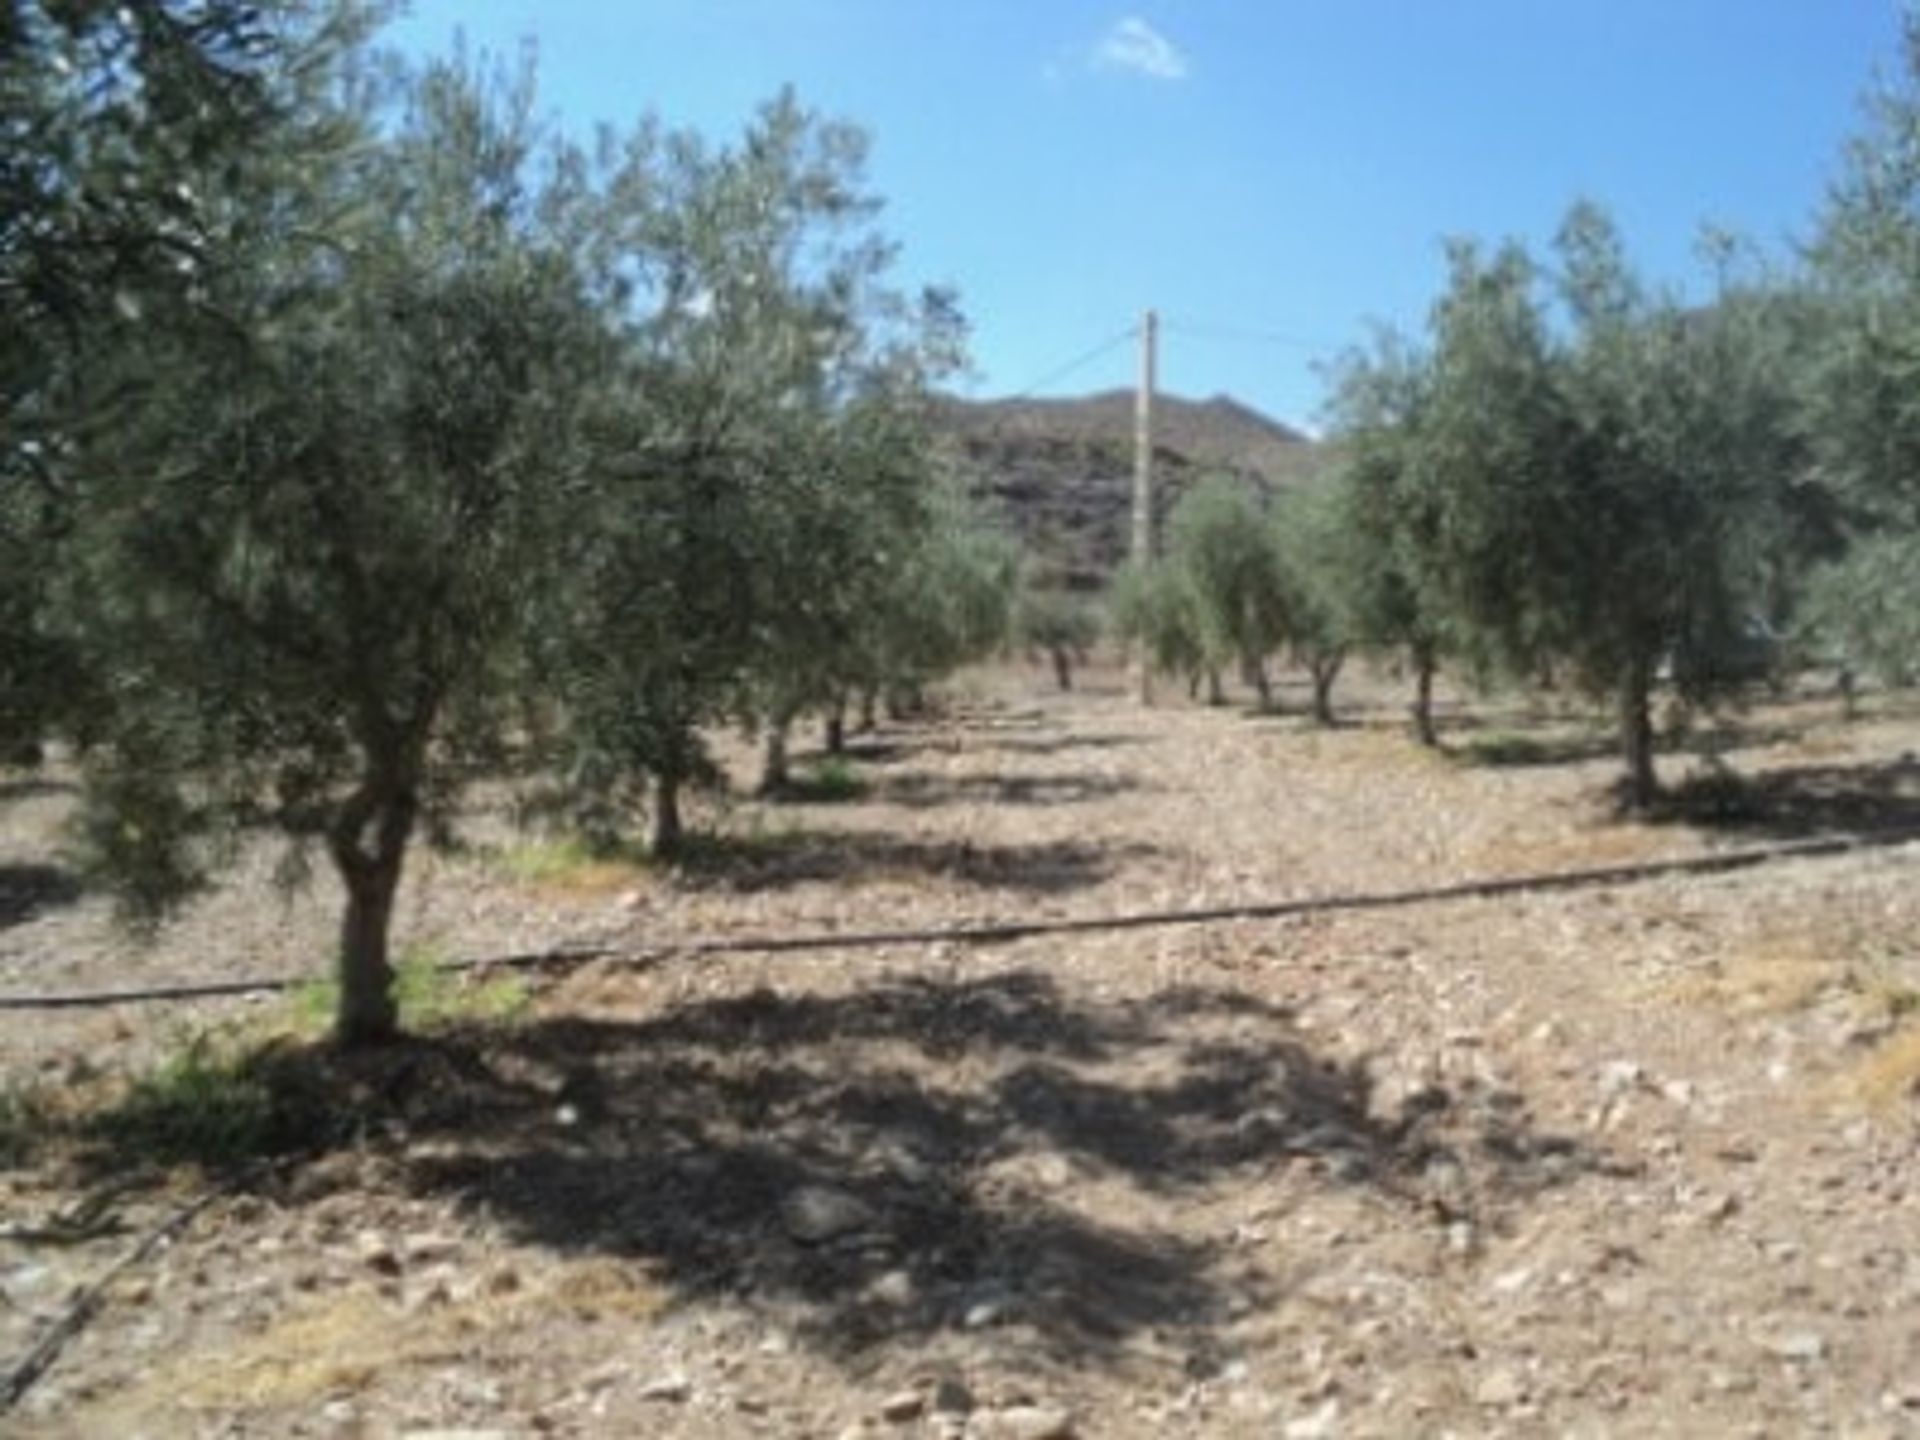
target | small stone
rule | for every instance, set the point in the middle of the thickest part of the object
(1030, 1422)
(377, 1254)
(1511, 1282)
(950, 1397)
(903, 1407)
(340, 1412)
(815, 1214)
(894, 1288)
(1720, 1207)
(425, 1248)
(1321, 1424)
(1802, 1347)
(1618, 1077)
(1679, 1092)
(504, 1281)
(1500, 1388)
(668, 1389)
(983, 1314)
(1052, 1172)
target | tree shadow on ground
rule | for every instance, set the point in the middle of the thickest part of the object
(1513, 746)
(888, 1164)
(27, 890)
(1055, 744)
(1869, 802)
(1066, 787)
(779, 862)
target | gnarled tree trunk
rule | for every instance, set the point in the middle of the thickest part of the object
(836, 726)
(667, 830)
(774, 771)
(1636, 736)
(1423, 668)
(1325, 669)
(368, 842)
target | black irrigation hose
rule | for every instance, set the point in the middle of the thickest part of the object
(87, 1301)
(1002, 931)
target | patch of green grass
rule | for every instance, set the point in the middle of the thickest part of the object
(206, 1103)
(831, 781)
(1508, 747)
(27, 1123)
(571, 862)
(428, 995)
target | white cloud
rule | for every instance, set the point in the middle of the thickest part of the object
(1133, 44)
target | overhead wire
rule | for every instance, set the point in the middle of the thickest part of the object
(1053, 377)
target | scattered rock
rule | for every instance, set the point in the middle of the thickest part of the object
(1802, 1347)
(950, 1397)
(668, 1389)
(984, 1313)
(1499, 1388)
(895, 1288)
(899, 1409)
(1029, 1422)
(1321, 1424)
(1621, 1077)
(377, 1253)
(815, 1214)
(428, 1247)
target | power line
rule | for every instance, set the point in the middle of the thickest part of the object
(1053, 377)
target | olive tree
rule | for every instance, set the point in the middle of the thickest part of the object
(1388, 518)
(1219, 540)
(303, 549)
(1604, 494)
(1862, 415)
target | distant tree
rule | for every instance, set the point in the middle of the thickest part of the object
(1319, 572)
(1602, 500)
(1155, 610)
(1389, 519)
(950, 603)
(1219, 540)
(1052, 621)
(757, 472)
(1863, 613)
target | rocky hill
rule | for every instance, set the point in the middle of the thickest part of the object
(1060, 472)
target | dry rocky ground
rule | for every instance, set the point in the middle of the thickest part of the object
(1641, 1160)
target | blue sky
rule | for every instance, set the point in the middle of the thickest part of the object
(1272, 175)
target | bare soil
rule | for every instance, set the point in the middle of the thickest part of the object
(1641, 1160)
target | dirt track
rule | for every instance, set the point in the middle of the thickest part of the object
(1628, 1162)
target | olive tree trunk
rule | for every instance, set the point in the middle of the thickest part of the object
(667, 830)
(1423, 668)
(1325, 669)
(368, 842)
(1636, 736)
(775, 774)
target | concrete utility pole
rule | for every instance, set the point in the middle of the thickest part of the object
(1143, 483)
